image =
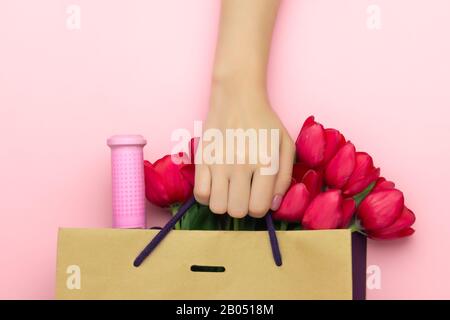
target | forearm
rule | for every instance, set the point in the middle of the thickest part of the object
(244, 40)
(239, 101)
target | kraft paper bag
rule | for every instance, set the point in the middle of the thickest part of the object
(98, 264)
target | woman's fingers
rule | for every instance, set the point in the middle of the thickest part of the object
(202, 187)
(239, 193)
(218, 199)
(261, 194)
(284, 176)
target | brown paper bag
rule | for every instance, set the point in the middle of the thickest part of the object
(98, 264)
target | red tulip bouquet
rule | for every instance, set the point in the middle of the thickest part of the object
(333, 187)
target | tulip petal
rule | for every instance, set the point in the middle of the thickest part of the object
(155, 191)
(188, 172)
(310, 144)
(383, 184)
(348, 208)
(400, 234)
(313, 182)
(324, 211)
(308, 122)
(400, 228)
(334, 140)
(177, 187)
(340, 168)
(298, 171)
(380, 209)
(294, 204)
(193, 145)
(363, 175)
(361, 184)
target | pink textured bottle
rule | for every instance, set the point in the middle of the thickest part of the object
(128, 187)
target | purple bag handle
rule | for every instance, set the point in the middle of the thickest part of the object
(181, 211)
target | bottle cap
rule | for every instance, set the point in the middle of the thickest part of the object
(126, 139)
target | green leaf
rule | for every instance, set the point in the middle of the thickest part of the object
(362, 195)
(284, 225)
(249, 223)
(260, 224)
(174, 209)
(224, 222)
(199, 217)
(296, 226)
(246, 224)
(235, 224)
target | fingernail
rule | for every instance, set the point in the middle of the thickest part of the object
(276, 202)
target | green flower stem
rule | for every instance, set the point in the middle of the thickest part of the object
(228, 223)
(356, 227)
(362, 195)
(235, 224)
(284, 225)
(174, 209)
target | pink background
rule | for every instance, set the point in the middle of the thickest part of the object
(144, 67)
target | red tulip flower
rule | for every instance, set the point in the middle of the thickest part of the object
(313, 180)
(380, 209)
(310, 144)
(383, 184)
(383, 213)
(193, 145)
(299, 170)
(294, 204)
(328, 210)
(170, 180)
(316, 145)
(399, 229)
(334, 140)
(348, 209)
(364, 174)
(341, 166)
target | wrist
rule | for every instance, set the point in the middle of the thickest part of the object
(236, 92)
(237, 78)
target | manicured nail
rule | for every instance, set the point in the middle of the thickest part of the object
(276, 202)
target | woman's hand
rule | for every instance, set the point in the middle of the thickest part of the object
(239, 101)
(244, 188)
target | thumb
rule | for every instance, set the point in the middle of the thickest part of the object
(284, 176)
